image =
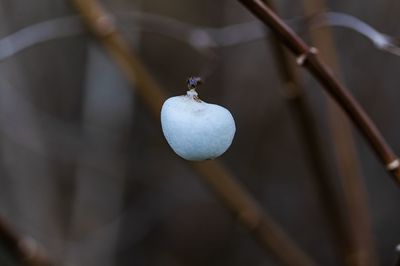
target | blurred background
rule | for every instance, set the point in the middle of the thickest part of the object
(87, 173)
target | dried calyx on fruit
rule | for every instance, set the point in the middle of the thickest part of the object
(194, 129)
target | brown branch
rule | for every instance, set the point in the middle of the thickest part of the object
(324, 75)
(363, 250)
(24, 250)
(308, 132)
(231, 193)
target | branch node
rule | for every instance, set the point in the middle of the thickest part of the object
(301, 59)
(393, 165)
(105, 25)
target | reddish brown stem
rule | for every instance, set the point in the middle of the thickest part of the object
(324, 75)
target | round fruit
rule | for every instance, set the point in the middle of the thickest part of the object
(194, 129)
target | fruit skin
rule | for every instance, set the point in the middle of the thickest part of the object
(196, 130)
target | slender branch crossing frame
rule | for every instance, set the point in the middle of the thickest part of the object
(308, 57)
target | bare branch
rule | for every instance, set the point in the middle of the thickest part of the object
(331, 84)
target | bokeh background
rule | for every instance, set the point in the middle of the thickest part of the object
(87, 173)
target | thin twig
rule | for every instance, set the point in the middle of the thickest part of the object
(380, 40)
(309, 134)
(40, 32)
(232, 194)
(25, 250)
(351, 180)
(309, 58)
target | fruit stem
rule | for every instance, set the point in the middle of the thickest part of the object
(192, 93)
(193, 83)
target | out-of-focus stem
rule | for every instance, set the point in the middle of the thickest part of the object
(231, 193)
(309, 134)
(250, 214)
(363, 251)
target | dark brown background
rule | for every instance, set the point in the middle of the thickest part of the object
(85, 170)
